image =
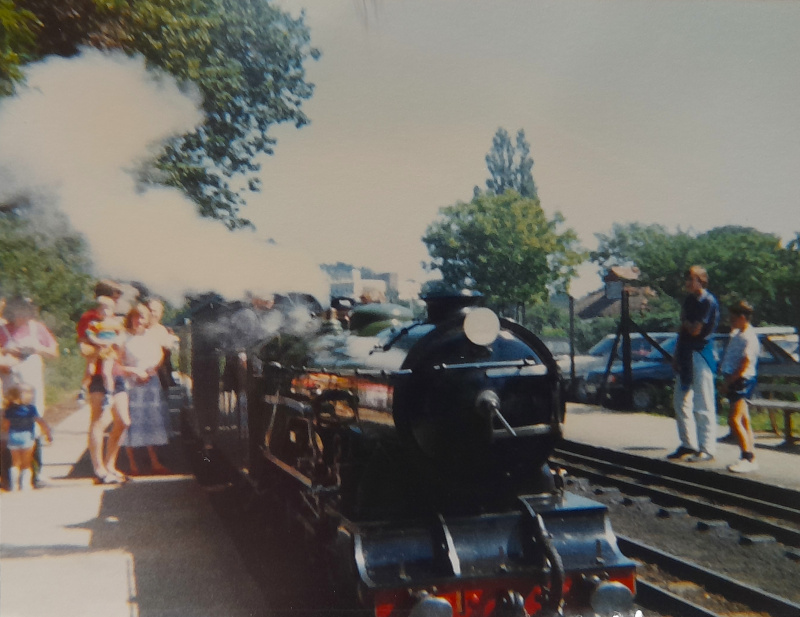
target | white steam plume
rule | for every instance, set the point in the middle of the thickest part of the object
(67, 141)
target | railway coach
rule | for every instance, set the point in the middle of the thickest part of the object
(413, 463)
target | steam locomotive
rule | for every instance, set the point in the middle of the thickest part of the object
(414, 461)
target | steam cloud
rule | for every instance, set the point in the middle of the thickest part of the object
(68, 142)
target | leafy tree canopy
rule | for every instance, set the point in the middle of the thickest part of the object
(510, 165)
(17, 37)
(742, 262)
(246, 56)
(51, 271)
(503, 246)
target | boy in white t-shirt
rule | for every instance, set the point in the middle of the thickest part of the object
(739, 372)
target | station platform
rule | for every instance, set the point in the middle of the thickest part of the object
(655, 436)
(153, 546)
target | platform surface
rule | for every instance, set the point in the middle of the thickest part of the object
(152, 547)
(655, 436)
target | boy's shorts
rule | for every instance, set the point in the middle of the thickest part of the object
(20, 440)
(97, 385)
(741, 388)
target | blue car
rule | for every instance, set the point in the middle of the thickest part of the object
(652, 376)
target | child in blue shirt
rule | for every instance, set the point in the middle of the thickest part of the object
(19, 417)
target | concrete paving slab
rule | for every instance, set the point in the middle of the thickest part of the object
(153, 547)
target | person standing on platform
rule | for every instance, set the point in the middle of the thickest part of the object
(142, 355)
(20, 417)
(166, 338)
(695, 366)
(27, 342)
(104, 464)
(7, 361)
(739, 373)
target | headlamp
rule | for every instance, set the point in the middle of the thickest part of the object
(481, 325)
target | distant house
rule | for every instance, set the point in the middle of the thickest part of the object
(607, 302)
(347, 281)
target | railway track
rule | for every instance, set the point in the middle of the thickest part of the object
(693, 579)
(739, 511)
(704, 494)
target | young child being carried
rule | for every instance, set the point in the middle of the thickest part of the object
(103, 333)
(19, 417)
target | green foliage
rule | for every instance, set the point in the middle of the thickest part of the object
(510, 166)
(246, 56)
(63, 375)
(17, 36)
(51, 271)
(546, 319)
(588, 332)
(503, 246)
(741, 262)
(662, 315)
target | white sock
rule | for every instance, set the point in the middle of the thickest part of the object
(25, 479)
(13, 478)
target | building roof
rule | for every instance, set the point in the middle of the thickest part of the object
(596, 304)
(622, 273)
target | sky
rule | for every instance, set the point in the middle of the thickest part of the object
(682, 113)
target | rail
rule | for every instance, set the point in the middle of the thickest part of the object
(714, 582)
(698, 500)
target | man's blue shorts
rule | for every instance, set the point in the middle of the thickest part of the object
(741, 388)
(97, 385)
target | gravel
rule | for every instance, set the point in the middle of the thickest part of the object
(756, 560)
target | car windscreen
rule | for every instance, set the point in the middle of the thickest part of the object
(787, 342)
(640, 346)
(558, 348)
(668, 346)
(603, 348)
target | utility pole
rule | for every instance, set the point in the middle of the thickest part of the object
(625, 327)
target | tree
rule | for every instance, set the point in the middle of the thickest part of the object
(17, 36)
(742, 262)
(661, 256)
(53, 271)
(246, 56)
(510, 167)
(503, 246)
(787, 283)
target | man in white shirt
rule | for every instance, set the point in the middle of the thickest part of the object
(739, 372)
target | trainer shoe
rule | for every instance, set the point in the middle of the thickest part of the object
(700, 457)
(681, 453)
(743, 466)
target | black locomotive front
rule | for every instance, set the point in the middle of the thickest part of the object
(415, 462)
